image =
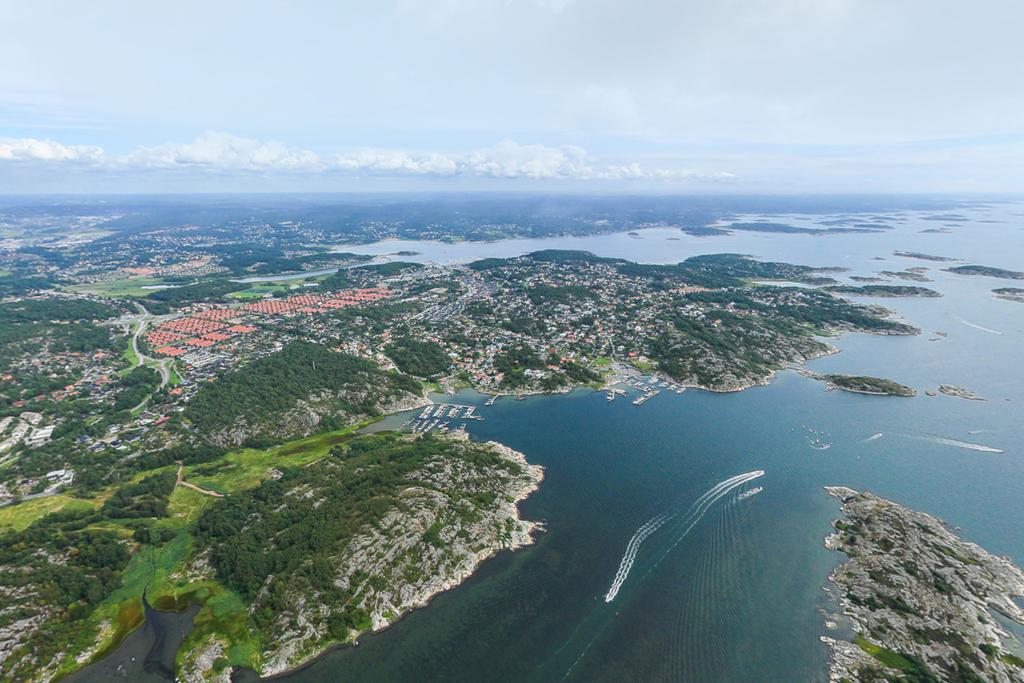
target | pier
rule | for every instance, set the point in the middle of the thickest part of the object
(440, 416)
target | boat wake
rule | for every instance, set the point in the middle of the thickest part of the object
(965, 444)
(693, 515)
(979, 327)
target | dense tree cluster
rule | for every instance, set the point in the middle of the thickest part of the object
(270, 545)
(268, 387)
(415, 357)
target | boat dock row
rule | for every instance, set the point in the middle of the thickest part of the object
(439, 416)
(646, 397)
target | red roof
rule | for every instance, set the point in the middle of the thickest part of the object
(170, 351)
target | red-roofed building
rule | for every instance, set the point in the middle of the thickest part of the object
(171, 351)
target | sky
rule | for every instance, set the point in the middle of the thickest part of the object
(670, 96)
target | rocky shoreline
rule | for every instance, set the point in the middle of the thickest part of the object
(959, 392)
(921, 600)
(379, 550)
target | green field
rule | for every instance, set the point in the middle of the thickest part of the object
(157, 570)
(257, 291)
(20, 516)
(246, 468)
(126, 287)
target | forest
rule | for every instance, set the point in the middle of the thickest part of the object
(419, 358)
(262, 391)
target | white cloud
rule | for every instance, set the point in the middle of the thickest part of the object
(509, 159)
(224, 151)
(216, 152)
(396, 162)
(30, 149)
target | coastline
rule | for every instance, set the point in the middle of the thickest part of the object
(283, 662)
(918, 597)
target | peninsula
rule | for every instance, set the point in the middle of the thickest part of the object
(925, 605)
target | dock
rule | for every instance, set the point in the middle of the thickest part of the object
(440, 416)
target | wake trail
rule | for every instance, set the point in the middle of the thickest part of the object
(966, 444)
(700, 509)
(979, 327)
(693, 516)
(945, 441)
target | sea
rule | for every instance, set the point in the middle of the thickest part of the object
(684, 537)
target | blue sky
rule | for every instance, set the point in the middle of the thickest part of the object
(575, 95)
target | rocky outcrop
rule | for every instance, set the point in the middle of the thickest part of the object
(959, 392)
(426, 511)
(378, 567)
(922, 601)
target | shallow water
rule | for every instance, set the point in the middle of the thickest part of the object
(147, 655)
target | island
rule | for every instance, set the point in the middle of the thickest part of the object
(883, 291)
(860, 384)
(959, 392)
(924, 604)
(987, 271)
(914, 274)
(923, 257)
(1010, 294)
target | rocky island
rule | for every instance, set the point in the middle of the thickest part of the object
(959, 392)
(860, 384)
(987, 271)
(922, 257)
(925, 605)
(1010, 294)
(891, 291)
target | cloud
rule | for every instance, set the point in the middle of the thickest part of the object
(395, 162)
(223, 152)
(31, 149)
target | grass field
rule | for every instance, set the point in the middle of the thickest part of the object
(256, 291)
(160, 572)
(126, 287)
(246, 468)
(20, 516)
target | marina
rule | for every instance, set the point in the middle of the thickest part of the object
(439, 417)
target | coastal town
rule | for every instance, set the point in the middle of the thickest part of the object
(145, 394)
(545, 322)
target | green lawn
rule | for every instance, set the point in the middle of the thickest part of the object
(246, 468)
(126, 287)
(21, 515)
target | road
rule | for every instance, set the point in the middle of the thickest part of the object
(141, 323)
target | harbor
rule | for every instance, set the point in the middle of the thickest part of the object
(440, 416)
